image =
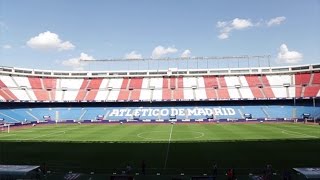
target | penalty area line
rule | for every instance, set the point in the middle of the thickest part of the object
(168, 148)
(36, 137)
(57, 132)
(293, 133)
(297, 134)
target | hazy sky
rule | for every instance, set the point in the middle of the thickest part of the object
(55, 34)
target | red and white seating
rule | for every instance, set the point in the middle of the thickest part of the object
(159, 88)
(156, 84)
(115, 87)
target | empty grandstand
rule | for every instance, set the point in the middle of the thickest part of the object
(155, 95)
(86, 107)
(172, 85)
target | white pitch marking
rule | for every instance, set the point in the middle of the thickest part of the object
(283, 131)
(297, 133)
(5, 135)
(58, 132)
(165, 162)
(140, 135)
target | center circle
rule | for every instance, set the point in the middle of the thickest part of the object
(165, 135)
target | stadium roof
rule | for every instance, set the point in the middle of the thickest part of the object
(309, 173)
(16, 169)
(168, 72)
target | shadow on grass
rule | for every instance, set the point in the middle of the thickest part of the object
(181, 157)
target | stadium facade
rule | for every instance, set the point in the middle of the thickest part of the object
(228, 94)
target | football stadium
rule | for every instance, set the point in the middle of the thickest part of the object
(161, 124)
(159, 90)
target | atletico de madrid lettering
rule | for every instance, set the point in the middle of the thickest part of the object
(195, 111)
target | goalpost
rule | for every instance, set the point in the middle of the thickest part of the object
(5, 128)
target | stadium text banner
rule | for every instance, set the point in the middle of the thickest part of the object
(183, 111)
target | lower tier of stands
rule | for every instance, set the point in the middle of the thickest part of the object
(155, 113)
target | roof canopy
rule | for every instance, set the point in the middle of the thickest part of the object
(309, 173)
(16, 169)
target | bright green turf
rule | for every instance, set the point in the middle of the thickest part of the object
(161, 132)
(166, 148)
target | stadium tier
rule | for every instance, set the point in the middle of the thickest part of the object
(177, 85)
(157, 114)
(184, 95)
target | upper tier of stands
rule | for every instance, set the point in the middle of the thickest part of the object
(159, 88)
(189, 86)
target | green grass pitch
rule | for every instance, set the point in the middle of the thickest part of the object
(165, 147)
(161, 132)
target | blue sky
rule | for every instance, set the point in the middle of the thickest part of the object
(55, 34)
